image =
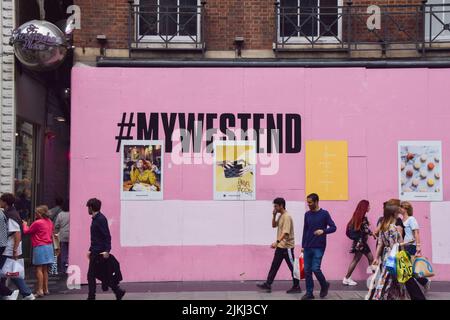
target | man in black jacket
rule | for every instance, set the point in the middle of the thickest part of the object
(100, 248)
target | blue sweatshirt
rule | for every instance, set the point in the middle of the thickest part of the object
(315, 220)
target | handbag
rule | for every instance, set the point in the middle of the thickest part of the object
(404, 267)
(391, 261)
(421, 267)
(13, 269)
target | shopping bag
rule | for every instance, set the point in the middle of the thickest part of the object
(391, 261)
(299, 268)
(404, 267)
(13, 269)
(422, 267)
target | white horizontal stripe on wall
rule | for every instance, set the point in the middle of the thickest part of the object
(202, 223)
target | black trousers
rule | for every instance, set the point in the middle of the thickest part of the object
(92, 282)
(414, 290)
(280, 255)
(4, 290)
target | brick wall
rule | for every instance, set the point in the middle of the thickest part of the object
(224, 20)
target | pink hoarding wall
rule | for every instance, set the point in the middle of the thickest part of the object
(372, 109)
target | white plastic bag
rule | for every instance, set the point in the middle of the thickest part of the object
(13, 269)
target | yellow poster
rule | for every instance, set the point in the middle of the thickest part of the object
(234, 170)
(327, 169)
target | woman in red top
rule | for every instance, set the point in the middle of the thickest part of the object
(41, 231)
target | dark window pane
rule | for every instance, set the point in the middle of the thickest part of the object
(188, 16)
(329, 18)
(288, 18)
(308, 18)
(148, 17)
(168, 17)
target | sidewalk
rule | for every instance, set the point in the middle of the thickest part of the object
(223, 290)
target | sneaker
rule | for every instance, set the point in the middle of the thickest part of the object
(294, 290)
(120, 293)
(264, 286)
(370, 269)
(13, 295)
(29, 297)
(324, 291)
(308, 297)
(348, 282)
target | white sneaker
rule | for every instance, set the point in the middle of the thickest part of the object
(13, 295)
(29, 297)
(370, 269)
(349, 282)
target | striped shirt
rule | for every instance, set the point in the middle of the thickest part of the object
(3, 229)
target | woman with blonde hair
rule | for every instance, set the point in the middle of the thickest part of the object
(41, 231)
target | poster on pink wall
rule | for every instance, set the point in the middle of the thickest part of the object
(142, 170)
(420, 170)
(234, 170)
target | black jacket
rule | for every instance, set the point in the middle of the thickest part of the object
(100, 235)
(107, 271)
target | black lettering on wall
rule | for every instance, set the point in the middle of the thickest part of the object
(210, 131)
(293, 133)
(169, 127)
(147, 131)
(190, 130)
(230, 119)
(257, 117)
(275, 133)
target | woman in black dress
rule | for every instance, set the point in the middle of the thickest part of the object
(358, 226)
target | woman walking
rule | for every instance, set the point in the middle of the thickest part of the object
(359, 226)
(412, 237)
(41, 231)
(387, 288)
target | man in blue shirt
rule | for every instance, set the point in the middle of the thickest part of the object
(100, 247)
(317, 225)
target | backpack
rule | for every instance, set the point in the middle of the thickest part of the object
(352, 234)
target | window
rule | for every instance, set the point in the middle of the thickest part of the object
(169, 20)
(437, 20)
(310, 21)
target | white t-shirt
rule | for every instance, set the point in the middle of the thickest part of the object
(12, 227)
(410, 225)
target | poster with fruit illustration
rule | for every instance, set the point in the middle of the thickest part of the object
(420, 170)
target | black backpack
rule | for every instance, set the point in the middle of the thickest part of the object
(352, 234)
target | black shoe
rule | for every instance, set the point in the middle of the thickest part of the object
(294, 290)
(90, 298)
(120, 293)
(264, 286)
(324, 291)
(308, 297)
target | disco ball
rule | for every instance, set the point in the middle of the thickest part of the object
(39, 45)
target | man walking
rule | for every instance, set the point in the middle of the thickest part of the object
(284, 246)
(100, 248)
(317, 225)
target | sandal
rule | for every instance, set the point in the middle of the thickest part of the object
(38, 295)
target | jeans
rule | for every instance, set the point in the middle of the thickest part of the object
(280, 255)
(313, 261)
(24, 290)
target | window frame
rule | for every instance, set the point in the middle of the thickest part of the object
(444, 36)
(158, 38)
(303, 39)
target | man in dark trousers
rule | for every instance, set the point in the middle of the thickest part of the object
(284, 246)
(100, 248)
(317, 225)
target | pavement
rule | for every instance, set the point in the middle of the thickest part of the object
(219, 290)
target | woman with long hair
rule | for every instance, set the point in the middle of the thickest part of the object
(41, 231)
(359, 225)
(143, 171)
(387, 288)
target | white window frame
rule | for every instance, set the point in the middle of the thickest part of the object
(174, 39)
(445, 36)
(303, 39)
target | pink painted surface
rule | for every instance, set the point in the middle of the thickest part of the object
(372, 109)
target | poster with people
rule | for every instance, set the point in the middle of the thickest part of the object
(142, 170)
(234, 170)
(420, 170)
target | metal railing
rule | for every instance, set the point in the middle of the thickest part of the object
(164, 26)
(402, 27)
